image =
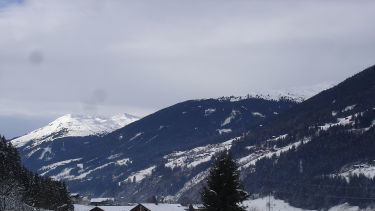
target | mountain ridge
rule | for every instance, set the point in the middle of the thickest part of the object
(71, 125)
(169, 152)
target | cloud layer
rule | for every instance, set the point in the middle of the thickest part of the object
(98, 56)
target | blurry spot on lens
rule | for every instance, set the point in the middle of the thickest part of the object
(99, 96)
(36, 57)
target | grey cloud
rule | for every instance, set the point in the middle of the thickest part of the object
(145, 55)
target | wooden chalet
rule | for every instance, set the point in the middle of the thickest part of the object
(96, 209)
(140, 207)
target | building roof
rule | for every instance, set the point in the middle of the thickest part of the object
(140, 207)
(96, 209)
(150, 206)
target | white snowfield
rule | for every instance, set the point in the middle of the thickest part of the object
(348, 120)
(260, 204)
(84, 172)
(258, 114)
(140, 175)
(74, 125)
(209, 111)
(225, 130)
(365, 169)
(192, 158)
(273, 139)
(229, 119)
(251, 159)
(48, 168)
(349, 108)
(340, 122)
(297, 94)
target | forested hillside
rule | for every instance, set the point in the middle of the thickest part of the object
(321, 152)
(20, 189)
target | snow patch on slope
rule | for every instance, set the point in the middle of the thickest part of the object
(142, 174)
(123, 162)
(209, 111)
(368, 170)
(349, 108)
(48, 168)
(65, 174)
(280, 205)
(229, 119)
(258, 114)
(45, 151)
(273, 139)
(192, 158)
(221, 131)
(135, 136)
(340, 122)
(250, 160)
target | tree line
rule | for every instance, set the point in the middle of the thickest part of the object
(21, 187)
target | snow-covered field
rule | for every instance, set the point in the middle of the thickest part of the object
(194, 157)
(260, 204)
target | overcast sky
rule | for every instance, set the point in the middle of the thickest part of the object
(103, 57)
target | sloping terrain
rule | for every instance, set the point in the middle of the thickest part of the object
(74, 126)
(21, 189)
(315, 154)
(319, 153)
(130, 157)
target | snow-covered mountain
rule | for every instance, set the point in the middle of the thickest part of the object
(274, 140)
(297, 94)
(91, 164)
(71, 125)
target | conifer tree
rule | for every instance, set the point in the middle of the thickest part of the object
(223, 190)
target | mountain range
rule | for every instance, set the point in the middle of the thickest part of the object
(300, 151)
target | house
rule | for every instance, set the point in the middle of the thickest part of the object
(102, 201)
(76, 198)
(96, 209)
(195, 208)
(140, 207)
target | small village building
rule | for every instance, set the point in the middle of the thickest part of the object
(76, 198)
(96, 209)
(102, 201)
(140, 207)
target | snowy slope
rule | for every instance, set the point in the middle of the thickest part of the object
(280, 205)
(259, 204)
(297, 94)
(75, 125)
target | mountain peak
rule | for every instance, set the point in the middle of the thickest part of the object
(70, 125)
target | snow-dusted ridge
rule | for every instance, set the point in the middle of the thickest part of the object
(71, 125)
(297, 94)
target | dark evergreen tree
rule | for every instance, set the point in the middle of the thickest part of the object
(224, 190)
